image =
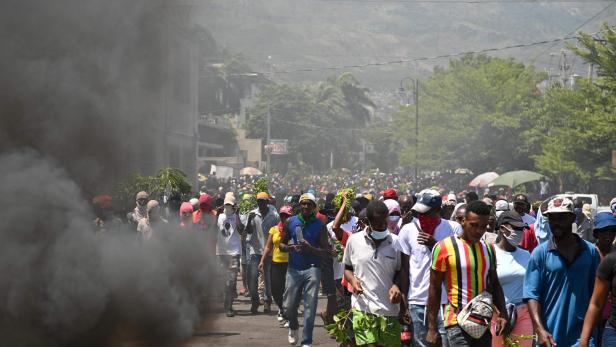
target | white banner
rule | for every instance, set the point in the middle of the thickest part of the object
(222, 171)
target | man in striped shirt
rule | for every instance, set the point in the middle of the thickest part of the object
(467, 266)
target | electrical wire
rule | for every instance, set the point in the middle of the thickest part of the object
(572, 32)
(402, 61)
(473, 2)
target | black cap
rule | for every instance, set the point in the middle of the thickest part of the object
(521, 198)
(512, 218)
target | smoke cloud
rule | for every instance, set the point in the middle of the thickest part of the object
(65, 285)
(79, 81)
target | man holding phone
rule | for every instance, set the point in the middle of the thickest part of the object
(306, 239)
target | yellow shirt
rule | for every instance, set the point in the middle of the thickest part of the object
(277, 255)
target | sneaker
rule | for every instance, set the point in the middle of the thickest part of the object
(306, 345)
(293, 336)
(279, 316)
(230, 313)
(267, 308)
(286, 324)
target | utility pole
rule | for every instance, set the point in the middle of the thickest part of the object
(268, 151)
(416, 127)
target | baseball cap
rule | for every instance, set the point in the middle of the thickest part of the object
(427, 199)
(560, 205)
(229, 199)
(263, 196)
(390, 194)
(604, 219)
(502, 205)
(307, 196)
(521, 199)
(512, 218)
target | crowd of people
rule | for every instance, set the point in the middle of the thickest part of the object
(431, 268)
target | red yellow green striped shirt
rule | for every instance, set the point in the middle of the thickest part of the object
(467, 280)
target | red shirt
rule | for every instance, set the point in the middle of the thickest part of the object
(529, 241)
(322, 218)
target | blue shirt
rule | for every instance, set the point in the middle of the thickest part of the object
(311, 231)
(562, 289)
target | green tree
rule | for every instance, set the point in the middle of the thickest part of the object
(295, 115)
(356, 97)
(601, 53)
(573, 134)
(471, 114)
(317, 120)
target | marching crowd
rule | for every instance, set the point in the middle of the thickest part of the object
(430, 268)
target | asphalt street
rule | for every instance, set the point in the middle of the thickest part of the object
(248, 330)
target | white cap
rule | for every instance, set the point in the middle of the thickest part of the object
(560, 205)
(194, 202)
(502, 205)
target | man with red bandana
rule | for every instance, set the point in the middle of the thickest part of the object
(415, 242)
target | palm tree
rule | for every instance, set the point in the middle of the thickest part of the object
(359, 104)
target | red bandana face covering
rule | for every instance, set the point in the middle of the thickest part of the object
(428, 223)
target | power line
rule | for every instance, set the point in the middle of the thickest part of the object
(473, 2)
(404, 61)
(576, 29)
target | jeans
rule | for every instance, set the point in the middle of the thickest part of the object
(252, 276)
(420, 325)
(229, 265)
(609, 335)
(459, 338)
(300, 282)
(278, 274)
(267, 279)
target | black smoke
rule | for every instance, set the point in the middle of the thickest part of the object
(63, 284)
(78, 81)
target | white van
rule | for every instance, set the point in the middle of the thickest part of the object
(591, 199)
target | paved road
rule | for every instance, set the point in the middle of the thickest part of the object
(251, 330)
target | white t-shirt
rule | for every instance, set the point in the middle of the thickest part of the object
(375, 269)
(420, 258)
(511, 269)
(349, 226)
(232, 244)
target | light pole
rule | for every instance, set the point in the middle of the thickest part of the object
(268, 151)
(416, 100)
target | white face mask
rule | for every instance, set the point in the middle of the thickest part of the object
(378, 234)
(229, 210)
(515, 236)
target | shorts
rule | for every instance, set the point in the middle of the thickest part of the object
(374, 335)
(328, 285)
